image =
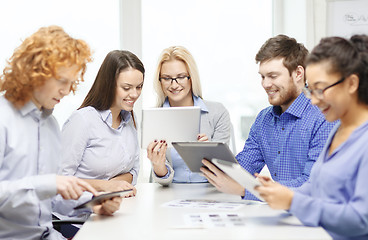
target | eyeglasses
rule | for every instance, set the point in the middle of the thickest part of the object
(318, 93)
(169, 80)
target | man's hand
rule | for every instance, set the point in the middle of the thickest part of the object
(70, 187)
(220, 180)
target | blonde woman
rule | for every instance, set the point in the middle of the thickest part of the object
(177, 84)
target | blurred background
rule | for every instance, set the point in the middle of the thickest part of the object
(222, 35)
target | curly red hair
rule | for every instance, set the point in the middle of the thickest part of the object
(37, 59)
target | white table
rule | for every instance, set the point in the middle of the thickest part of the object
(144, 217)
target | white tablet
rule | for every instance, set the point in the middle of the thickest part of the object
(239, 174)
(170, 124)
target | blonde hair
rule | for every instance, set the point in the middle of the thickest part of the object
(37, 59)
(182, 54)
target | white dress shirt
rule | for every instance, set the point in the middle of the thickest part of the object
(29, 152)
(95, 150)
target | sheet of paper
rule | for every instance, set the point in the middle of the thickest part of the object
(216, 219)
(204, 204)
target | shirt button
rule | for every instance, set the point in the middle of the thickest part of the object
(275, 174)
(283, 128)
(278, 152)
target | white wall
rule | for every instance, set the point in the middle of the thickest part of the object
(223, 36)
(96, 22)
(310, 20)
(290, 18)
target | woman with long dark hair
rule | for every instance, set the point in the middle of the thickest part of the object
(100, 138)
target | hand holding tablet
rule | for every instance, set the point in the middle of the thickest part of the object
(96, 200)
(193, 152)
(239, 174)
(221, 156)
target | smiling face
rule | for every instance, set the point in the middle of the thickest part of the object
(50, 94)
(336, 100)
(178, 94)
(128, 89)
(281, 88)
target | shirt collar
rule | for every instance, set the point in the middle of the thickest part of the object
(107, 116)
(30, 108)
(197, 101)
(296, 108)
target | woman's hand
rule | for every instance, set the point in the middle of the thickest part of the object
(156, 152)
(108, 207)
(114, 185)
(264, 178)
(275, 194)
(202, 137)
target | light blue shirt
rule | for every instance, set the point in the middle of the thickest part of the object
(95, 150)
(336, 195)
(215, 123)
(289, 142)
(29, 152)
(182, 173)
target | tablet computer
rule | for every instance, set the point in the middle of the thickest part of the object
(170, 124)
(239, 174)
(193, 152)
(96, 200)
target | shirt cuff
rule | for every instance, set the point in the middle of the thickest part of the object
(301, 208)
(45, 186)
(167, 174)
(134, 176)
(243, 197)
